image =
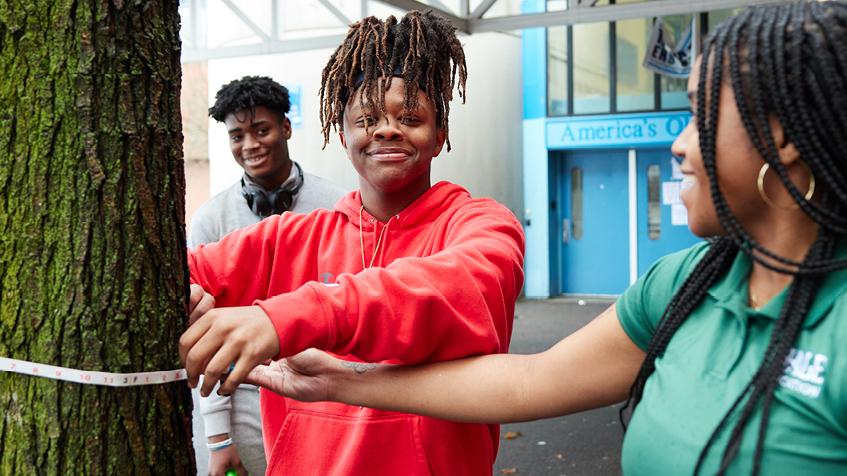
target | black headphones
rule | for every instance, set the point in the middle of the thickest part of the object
(265, 204)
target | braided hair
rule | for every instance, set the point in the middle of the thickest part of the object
(789, 62)
(248, 93)
(419, 48)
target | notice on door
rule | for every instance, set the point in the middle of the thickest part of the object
(670, 193)
(670, 197)
(679, 215)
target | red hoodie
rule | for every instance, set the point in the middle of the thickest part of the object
(445, 276)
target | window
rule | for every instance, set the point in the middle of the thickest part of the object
(635, 83)
(591, 68)
(557, 5)
(654, 208)
(717, 16)
(557, 71)
(674, 91)
(595, 68)
(576, 203)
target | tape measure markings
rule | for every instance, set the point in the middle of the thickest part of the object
(90, 377)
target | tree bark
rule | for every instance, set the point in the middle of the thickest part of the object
(92, 245)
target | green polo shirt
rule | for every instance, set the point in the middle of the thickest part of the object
(713, 356)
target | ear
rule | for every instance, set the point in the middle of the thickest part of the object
(788, 153)
(286, 128)
(440, 137)
(343, 140)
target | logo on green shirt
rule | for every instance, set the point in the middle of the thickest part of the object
(804, 372)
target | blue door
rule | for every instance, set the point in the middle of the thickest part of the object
(589, 218)
(662, 221)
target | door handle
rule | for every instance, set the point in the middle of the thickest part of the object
(566, 231)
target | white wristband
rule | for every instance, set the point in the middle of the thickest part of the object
(217, 446)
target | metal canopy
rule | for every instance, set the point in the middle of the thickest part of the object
(468, 19)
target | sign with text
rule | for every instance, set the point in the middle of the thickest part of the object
(294, 114)
(615, 131)
(665, 57)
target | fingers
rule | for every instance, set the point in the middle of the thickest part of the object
(206, 304)
(270, 377)
(218, 365)
(241, 335)
(190, 356)
(195, 295)
(262, 374)
(199, 303)
(257, 376)
(242, 367)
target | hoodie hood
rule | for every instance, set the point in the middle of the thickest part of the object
(439, 198)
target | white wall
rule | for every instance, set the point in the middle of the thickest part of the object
(485, 132)
(291, 69)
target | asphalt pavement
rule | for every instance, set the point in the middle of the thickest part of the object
(587, 443)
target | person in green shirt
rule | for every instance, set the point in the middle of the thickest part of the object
(732, 354)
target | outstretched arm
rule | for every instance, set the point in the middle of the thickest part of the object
(440, 306)
(593, 367)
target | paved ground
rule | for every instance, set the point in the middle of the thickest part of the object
(587, 443)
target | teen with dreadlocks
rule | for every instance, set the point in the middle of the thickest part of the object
(401, 271)
(732, 352)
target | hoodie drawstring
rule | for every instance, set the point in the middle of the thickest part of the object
(362, 240)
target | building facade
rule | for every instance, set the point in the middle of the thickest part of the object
(601, 187)
(563, 124)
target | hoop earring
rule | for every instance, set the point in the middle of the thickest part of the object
(760, 184)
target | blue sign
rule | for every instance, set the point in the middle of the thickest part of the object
(294, 114)
(615, 131)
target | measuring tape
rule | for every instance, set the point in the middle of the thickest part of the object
(88, 377)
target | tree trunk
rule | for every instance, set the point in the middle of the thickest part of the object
(92, 244)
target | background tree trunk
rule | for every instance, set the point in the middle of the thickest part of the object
(92, 244)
